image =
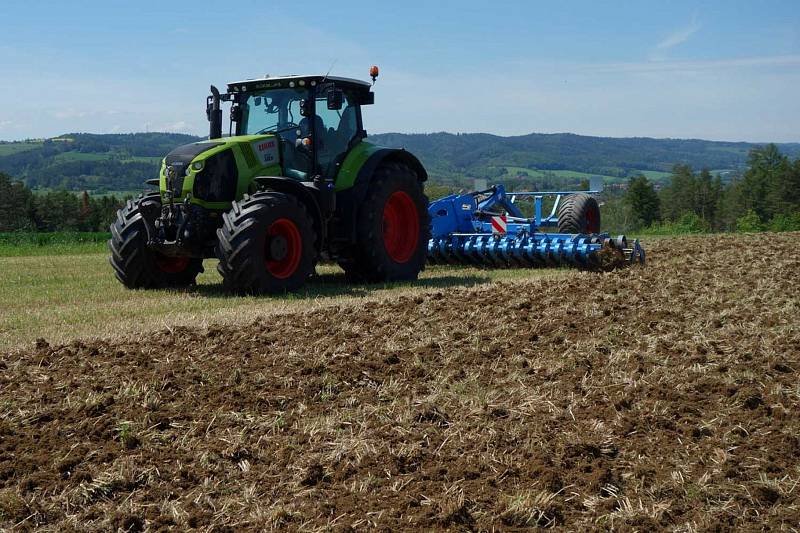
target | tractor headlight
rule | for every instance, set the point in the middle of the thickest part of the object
(197, 166)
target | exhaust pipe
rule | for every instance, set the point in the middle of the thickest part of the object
(214, 115)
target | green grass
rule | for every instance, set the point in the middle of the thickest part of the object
(60, 296)
(21, 243)
(81, 156)
(15, 148)
(512, 172)
(655, 175)
(141, 159)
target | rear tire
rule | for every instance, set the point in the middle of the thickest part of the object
(266, 244)
(393, 228)
(137, 266)
(579, 213)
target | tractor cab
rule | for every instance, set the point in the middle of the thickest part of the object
(314, 119)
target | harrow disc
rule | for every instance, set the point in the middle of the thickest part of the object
(588, 252)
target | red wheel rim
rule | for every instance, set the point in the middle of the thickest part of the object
(171, 265)
(591, 222)
(286, 265)
(400, 226)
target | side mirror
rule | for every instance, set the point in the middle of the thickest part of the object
(367, 98)
(335, 99)
(236, 113)
(305, 108)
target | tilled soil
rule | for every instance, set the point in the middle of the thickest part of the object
(664, 397)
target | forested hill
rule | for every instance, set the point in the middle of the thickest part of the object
(93, 162)
(482, 154)
(122, 162)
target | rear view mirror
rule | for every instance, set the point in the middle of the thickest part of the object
(367, 98)
(236, 113)
(335, 99)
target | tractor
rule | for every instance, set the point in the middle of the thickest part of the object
(293, 182)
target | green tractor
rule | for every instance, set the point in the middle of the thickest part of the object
(294, 182)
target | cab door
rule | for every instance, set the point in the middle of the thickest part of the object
(340, 127)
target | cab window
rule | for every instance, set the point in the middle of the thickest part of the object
(340, 126)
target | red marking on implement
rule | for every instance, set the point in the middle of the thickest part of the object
(499, 224)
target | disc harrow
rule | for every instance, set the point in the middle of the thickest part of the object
(487, 229)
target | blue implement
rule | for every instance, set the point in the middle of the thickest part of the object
(487, 228)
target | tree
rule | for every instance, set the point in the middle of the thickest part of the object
(783, 197)
(679, 197)
(707, 195)
(643, 201)
(15, 205)
(765, 174)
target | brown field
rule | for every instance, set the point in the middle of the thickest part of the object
(658, 398)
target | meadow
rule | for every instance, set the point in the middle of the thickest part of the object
(60, 287)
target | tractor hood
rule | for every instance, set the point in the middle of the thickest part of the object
(183, 155)
(216, 172)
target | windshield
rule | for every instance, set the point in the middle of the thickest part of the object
(272, 111)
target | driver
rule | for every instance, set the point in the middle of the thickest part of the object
(319, 127)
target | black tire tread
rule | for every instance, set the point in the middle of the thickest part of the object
(130, 258)
(572, 213)
(367, 262)
(237, 236)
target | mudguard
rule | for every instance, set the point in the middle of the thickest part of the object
(352, 186)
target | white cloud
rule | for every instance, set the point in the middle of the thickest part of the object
(6, 123)
(69, 114)
(181, 126)
(695, 66)
(679, 36)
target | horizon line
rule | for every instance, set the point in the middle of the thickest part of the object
(441, 132)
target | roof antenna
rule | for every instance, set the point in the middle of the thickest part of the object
(329, 70)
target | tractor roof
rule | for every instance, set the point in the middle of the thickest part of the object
(276, 82)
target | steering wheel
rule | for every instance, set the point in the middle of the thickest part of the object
(269, 129)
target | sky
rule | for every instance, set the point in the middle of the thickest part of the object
(718, 69)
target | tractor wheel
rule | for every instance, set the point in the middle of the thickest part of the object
(266, 244)
(393, 228)
(136, 265)
(579, 213)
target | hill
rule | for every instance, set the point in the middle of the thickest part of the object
(85, 161)
(569, 155)
(122, 162)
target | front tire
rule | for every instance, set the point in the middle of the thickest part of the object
(137, 266)
(266, 244)
(393, 228)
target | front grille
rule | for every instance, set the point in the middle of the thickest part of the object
(249, 156)
(218, 179)
(176, 173)
(179, 160)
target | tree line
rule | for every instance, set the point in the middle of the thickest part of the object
(22, 210)
(766, 196)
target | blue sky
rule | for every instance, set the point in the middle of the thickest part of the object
(723, 69)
